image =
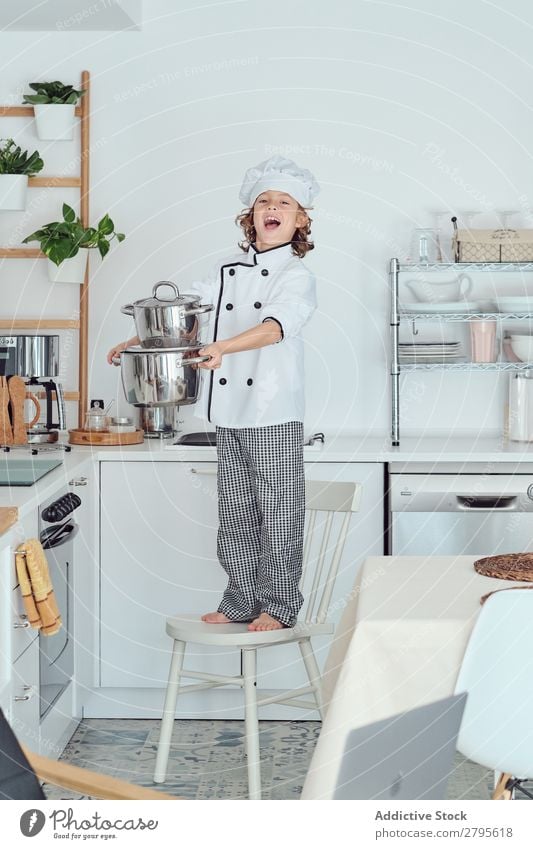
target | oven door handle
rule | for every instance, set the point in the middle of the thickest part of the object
(58, 535)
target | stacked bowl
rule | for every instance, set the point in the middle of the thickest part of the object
(522, 346)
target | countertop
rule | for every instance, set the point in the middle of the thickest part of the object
(8, 517)
(26, 498)
(485, 454)
(356, 448)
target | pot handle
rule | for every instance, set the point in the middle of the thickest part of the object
(31, 397)
(165, 283)
(194, 360)
(199, 310)
(127, 309)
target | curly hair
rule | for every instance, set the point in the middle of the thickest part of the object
(300, 241)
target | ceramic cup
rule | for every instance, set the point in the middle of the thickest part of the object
(483, 341)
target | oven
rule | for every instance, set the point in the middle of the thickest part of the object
(57, 530)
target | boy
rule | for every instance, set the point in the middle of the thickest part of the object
(254, 395)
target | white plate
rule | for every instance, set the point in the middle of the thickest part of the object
(450, 306)
(421, 352)
(519, 303)
(429, 346)
(430, 360)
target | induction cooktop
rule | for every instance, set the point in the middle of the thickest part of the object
(18, 471)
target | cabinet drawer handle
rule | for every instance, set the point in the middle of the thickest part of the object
(78, 482)
(203, 471)
(21, 625)
(30, 692)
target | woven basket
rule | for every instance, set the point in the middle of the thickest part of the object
(492, 245)
(507, 567)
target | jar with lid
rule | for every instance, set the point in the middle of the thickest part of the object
(96, 419)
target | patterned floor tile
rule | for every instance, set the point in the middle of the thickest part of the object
(207, 758)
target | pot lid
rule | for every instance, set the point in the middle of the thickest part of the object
(163, 297)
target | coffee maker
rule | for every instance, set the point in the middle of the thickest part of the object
(36, 360)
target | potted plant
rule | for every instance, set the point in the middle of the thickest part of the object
(15, 168)
(54, 105)
(66, 244)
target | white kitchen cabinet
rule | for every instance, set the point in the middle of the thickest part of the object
(158, 526)
(24, 709)
(19, 644)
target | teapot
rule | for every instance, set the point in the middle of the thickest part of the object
(440, 291)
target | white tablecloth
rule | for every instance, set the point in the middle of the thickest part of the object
(400, 644)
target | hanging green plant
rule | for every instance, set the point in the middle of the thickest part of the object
(56, 92)
(61, 240)
(13, 160)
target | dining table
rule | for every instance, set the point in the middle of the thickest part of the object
(399, 644)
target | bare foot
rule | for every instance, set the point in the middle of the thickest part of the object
(265, 622)
(215, 618)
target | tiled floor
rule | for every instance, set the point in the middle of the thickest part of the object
(207, 758)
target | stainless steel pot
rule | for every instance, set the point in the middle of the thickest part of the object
(156, 378)
(37, 356)
(166, 322)
(158, 421)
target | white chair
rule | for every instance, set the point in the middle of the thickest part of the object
(497, 675)
(321, 561)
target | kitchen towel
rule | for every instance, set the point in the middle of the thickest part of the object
(36, 587)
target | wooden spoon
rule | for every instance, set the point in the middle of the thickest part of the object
(17, 395)
(6, 434)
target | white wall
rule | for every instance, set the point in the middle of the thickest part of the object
(398, 111)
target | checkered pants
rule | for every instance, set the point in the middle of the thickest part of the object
(261, 508)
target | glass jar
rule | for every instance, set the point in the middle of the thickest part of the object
(96, 419)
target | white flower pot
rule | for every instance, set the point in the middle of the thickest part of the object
(13, 191)
(71, 270)
(54, 120)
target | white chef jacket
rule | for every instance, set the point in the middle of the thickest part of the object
(265, 386)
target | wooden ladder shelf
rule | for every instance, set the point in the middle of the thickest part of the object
(82, 182)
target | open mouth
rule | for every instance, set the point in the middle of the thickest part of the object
(271, 222)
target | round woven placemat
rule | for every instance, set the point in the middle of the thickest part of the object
(507, 567)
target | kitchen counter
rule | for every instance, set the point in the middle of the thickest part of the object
(25, 499)
(356, 448)
(8, 517)
(480, 453)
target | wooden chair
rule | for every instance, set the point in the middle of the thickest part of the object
(89, 783)
(21, 770)
(320, 567)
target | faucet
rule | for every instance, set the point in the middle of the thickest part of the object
(316, 437)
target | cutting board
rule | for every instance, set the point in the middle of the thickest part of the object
(79, 436)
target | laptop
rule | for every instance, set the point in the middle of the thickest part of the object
(407, 756)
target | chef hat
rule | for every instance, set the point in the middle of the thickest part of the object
(281, 175)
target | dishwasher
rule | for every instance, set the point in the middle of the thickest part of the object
(452, 514)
